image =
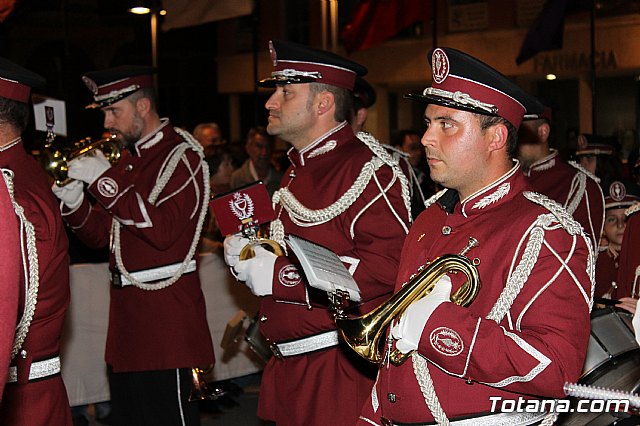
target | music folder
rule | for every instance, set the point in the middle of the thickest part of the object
(323, 268)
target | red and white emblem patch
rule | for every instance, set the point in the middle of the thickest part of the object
(107, 187)
(439, 65)
(446, 341)
(289, 276)
(617, 191)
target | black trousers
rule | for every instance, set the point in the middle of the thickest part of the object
(152, 398)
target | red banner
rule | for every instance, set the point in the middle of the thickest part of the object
(375, 21)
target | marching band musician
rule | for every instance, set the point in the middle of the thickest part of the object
(150, 208)
(620, 196)
(568, 183)
(527, 331)
(628, 281)
(35, 393)
(342, 192)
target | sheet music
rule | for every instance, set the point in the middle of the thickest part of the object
(323, 268)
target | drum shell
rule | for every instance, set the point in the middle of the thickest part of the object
(612, 361)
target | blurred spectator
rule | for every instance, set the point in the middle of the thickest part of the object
(208, 134)
(409, 142)
(259, 147)
(221, 166)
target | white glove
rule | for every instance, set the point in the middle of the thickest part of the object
(636, 325)
(408, 330)
(233, 245)
(71, 194)
(257, 272)
(88, 169)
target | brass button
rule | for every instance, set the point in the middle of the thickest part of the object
(292, 174)
(263, 318)
(128, 168)
(446, 230)
(391, 397)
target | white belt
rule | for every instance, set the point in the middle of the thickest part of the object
(155, 274)
(38, 370)
(306, 344)
(500, 419)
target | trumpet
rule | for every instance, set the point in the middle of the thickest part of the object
(257, 238)
(363, 333)
(56, 161)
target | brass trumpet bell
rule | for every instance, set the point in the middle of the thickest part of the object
(248, 252)
(363, 333)
(56, 161)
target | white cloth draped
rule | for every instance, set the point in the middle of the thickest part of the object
(85, 332)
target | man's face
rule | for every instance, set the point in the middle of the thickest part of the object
(457, 151)
(210, 136)
(614, 224)
(259, 150)
(123, 120)
(290, 113)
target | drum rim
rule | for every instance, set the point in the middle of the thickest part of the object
(592, 375)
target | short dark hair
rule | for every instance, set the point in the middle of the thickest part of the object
(487, 121)
(145, 92)
(14, 113)
(343, 99)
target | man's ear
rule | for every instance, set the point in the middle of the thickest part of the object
(143, 106)
(326, 101)
(543, 131)
(498, 135)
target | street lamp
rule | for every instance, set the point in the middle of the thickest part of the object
(154, 8)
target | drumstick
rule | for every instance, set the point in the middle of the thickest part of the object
(595, 392)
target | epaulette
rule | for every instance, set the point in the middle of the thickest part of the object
(633, 209)
(572, 226)
(585, 171)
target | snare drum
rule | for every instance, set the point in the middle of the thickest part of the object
(613, 361)
(612, 339)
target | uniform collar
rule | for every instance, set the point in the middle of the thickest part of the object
(152, 139)
(494, 194)
(543, 164)
(324, 144)
(15, 142)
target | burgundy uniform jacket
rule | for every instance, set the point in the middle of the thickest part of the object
(150, 329)
(606, 274)
(574, 188)
(10, 278)
(531, 342)
(42, 402)
(629, 259)
(329, 386)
